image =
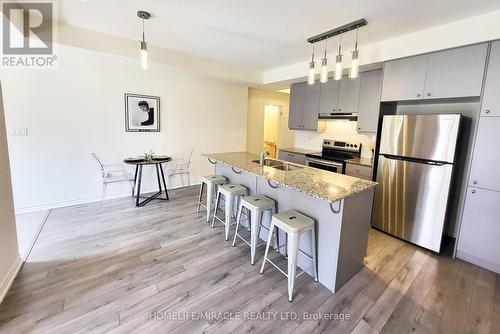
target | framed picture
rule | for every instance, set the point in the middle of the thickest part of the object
(142, 113)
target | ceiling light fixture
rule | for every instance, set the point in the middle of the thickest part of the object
(323, 78)
(144, 47)
(338, 62)
(310, 79)
(354, 68)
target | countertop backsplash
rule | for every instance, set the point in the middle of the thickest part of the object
(339, 130)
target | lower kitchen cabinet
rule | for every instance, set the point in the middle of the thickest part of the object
(478, 240)
(359, 171)
(296, 158)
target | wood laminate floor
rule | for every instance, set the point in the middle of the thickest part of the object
(110, 270)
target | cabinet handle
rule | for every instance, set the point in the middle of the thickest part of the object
(473, 191)
(475, 182)
(418, 95)
(428, 94)
(487, 111)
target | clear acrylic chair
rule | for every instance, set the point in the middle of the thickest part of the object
(113, 173)
(179, 166)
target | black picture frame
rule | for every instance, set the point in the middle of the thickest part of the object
(137, 119)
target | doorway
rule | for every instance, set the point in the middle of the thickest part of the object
(271, 128)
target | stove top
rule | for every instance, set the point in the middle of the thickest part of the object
(335, 150)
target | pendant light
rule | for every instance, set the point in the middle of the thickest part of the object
(354, 66)
(323, 78)
(310, 78)
(354, 69)
(144, 47)
(338, 61)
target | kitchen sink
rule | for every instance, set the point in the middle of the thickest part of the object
(287, 167)
(270, 162)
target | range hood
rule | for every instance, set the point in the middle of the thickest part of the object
(351, 116)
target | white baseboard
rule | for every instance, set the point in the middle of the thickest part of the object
(85, 200)
(478, 261)
(9, 278)
(77, 201)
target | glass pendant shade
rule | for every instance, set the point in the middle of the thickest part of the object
(338, 67)
(354, 69)
(324, 71)
(310, 78)
(144, 55)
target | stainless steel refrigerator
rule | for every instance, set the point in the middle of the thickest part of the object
(415, 168)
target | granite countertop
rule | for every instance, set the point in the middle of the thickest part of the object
(361, 161)
(298, 150)
(318, 183)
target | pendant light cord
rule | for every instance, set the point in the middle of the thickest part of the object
(143, 38)
(356, 45)
(340, 44)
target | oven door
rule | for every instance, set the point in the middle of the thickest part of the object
(331, 166)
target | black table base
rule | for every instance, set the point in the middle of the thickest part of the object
(138, 179)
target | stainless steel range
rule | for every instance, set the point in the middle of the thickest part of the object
(333, 155)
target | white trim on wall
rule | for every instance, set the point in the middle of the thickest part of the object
(9, 278)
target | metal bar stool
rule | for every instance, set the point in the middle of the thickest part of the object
(232, 194)
(212, 182)
(293, 224)
(255, 207)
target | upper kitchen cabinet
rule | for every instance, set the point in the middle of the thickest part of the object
(437, 75)
(484, 171)
(456, 73)
(304, 106)
(369, 101)
(348, 95)
(311, 107)
(329, 99)
(404, 79)
(491, 103)
(297, 92)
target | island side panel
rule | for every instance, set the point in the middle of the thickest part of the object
(327, 229)
(245, 179)
(354, 235)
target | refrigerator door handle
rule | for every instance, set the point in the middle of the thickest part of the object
(420, 161)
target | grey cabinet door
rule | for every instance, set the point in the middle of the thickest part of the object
(491, 102)
(296, 110)
(369, 101)
(329, 97)
(311, 106)
(486, 158)
(349, 95)
(404, 79)
(456, 73)
(480, 227)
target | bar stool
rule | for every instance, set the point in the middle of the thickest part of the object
(255, 205)
(232, 194)
(293, 224)
(212, 182)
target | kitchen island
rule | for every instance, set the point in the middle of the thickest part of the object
(340, 205)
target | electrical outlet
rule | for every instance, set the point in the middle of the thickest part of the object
(19, 132)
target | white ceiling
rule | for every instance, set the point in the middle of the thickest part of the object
(262, 34)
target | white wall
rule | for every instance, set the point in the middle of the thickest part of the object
(338, 130)
(78, 108)
(10, 261)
